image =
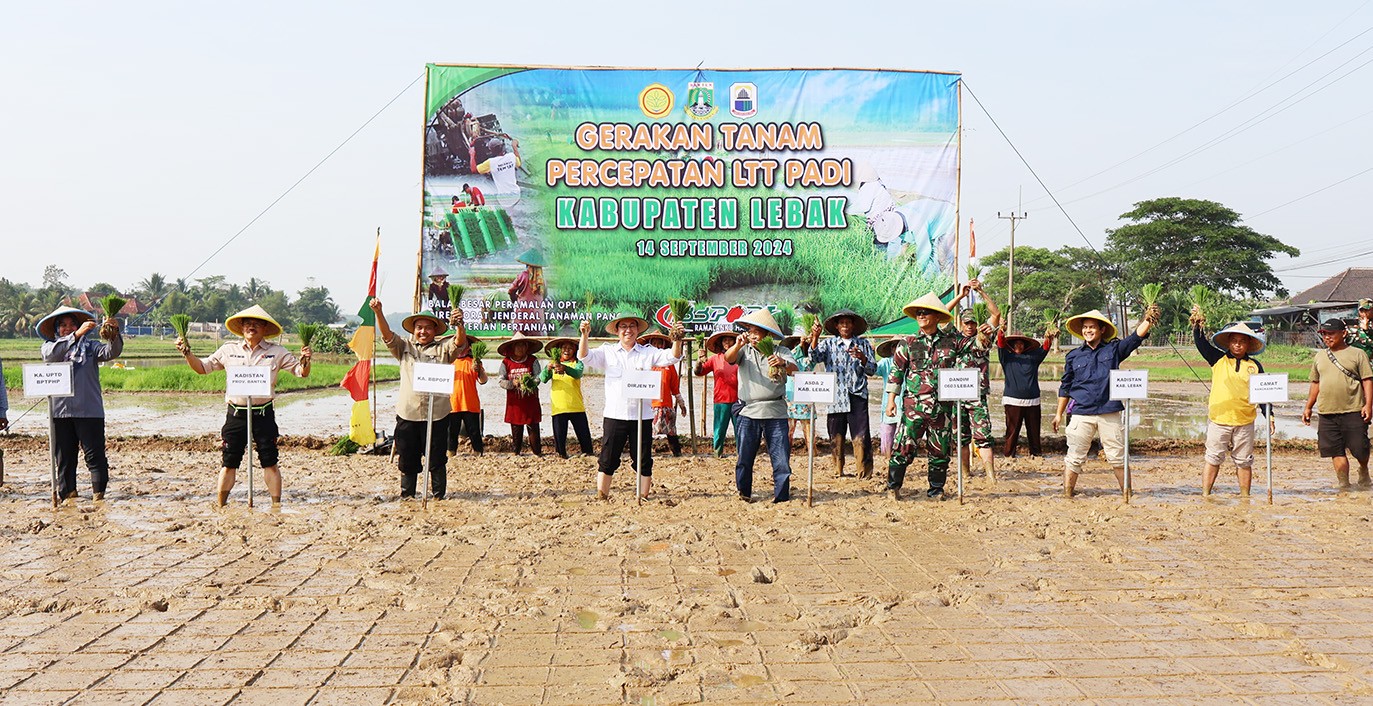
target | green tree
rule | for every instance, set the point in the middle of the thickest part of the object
(153, 287)
(314, 306)
(1068, 279)
(1180, 242)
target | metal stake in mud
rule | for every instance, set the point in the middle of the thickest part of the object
(956, 386)
(49, 380)
(810, 389)
(1127, 385)
(428, 452)
(249, 453)
(1265, 389)
(639, 454)
(248, 381)
(430, 379)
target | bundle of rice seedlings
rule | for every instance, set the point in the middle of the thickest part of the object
(1150, 294)
(786, 319)
(981, 313)
(455, 292)
(181, 324)
(974, 272)
(1201, 298)
(527, 385)
(479, 350)
(112, 304)
(808, 321)
(679, 308)
(1051, 317)
(307, 333)
(766, 346)
(344, 447)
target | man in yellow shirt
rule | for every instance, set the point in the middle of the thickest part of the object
(1230, 425)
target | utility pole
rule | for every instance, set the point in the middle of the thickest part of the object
(1010, 268)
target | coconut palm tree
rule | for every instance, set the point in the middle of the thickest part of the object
(154, 287)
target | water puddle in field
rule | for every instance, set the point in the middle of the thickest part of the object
(586, 619)
(744, 681)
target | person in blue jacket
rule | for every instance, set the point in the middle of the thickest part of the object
(1087, 382)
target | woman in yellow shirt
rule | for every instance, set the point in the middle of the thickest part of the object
(566, 395)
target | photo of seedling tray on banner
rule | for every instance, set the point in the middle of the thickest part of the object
(558, 194)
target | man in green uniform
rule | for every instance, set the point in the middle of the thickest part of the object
(915, 373)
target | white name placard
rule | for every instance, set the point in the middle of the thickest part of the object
(643, 384)
(248, 381)
(1129, 384)
(813, 388)
(959, 384)
(47, 380)
(1267, 387)
(432, 378)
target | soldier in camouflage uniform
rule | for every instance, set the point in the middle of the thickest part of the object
(915, 374)
(1362, 336)
(976, 416)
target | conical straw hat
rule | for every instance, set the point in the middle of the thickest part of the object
(929, 301)
(235, 323)
(1074, 324)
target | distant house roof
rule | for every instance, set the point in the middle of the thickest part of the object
(90, 301)
(1349, 286)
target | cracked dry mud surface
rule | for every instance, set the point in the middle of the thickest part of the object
(523, 589)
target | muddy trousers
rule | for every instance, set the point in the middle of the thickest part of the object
(579, 425)
(467, 424)
(1031, 418)
(517, 432)
(724, 416)
(935, 431)
(410, 452)
(89, 434)
(752, 433)
(620, 433)
(854, 425)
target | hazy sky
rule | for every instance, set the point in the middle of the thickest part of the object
(140, 136)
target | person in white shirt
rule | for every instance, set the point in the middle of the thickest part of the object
(503, 169)
(626, 420)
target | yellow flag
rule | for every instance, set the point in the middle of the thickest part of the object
(360, 424)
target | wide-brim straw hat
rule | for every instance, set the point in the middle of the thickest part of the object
(716, 342)
(558, 342)
(533, 258)
(408, 323)
(763, 320)
(1257, 341)
(235, 323)
(1027, 340)
(887, 348)
(639, 321)
(1074, 324)
(929, 301)
(47, 326)
(648, 338)
(860, 324)
(535, 345)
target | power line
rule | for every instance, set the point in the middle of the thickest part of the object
(307, 174)
(1313, 193)
(1251, 94)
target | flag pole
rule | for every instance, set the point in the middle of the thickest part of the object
(372, 369)
(958, 191)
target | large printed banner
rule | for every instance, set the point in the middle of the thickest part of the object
(558, 194)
